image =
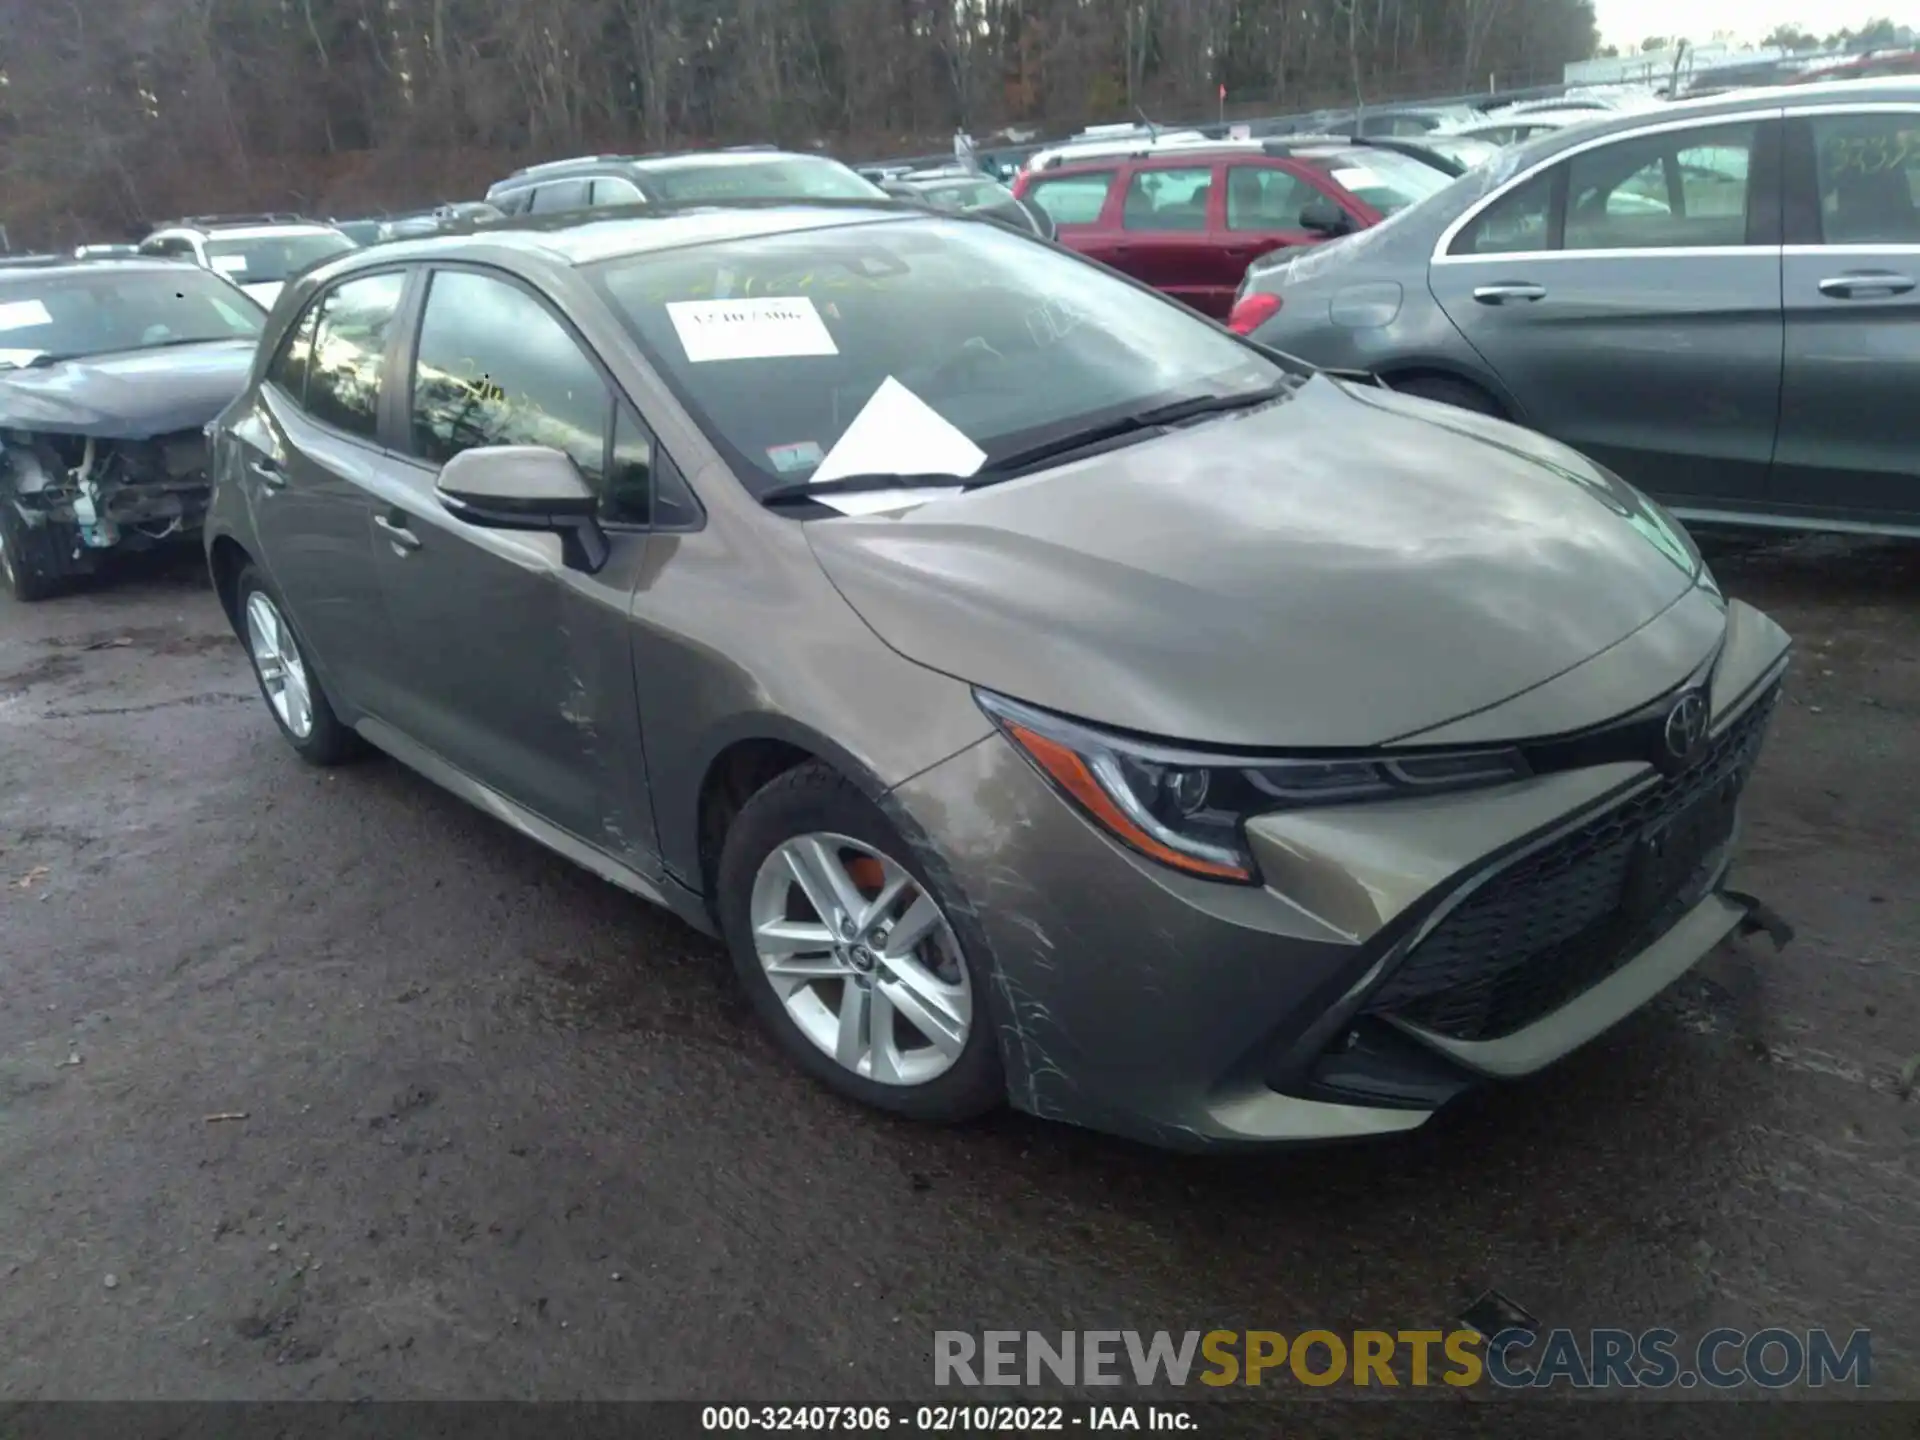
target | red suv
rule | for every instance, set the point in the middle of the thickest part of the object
(1190, 219)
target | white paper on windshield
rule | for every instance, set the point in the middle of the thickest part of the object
(19, 357)
(896, 432)
(229, 264)
(20, 314)
(761, 329)
(1355, 178)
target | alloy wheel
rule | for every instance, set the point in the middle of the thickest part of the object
(862, 958)
(276, 657)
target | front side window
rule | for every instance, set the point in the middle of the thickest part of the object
(1518, 222)
(290, 367)
(1262, 197)
(778, 343)
(1073, 199)
(1869, 178)
(1173, 199)
(272, 259)
(494, 367)
(1684, 188)
(612, 190)
(354, 322)
(53, 317)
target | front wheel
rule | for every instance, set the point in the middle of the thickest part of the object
(849, 956)
(26, 567)
(293, 693)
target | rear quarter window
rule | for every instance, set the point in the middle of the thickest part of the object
(1073, 199)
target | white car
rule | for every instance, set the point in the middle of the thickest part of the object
(1113, 140)
(259, 253)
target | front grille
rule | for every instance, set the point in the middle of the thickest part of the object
(1558, 922)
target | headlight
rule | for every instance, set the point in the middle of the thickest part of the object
(1188, 809)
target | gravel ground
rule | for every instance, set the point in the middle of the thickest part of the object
(322, 1085)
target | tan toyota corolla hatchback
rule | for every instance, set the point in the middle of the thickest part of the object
(1047, 695)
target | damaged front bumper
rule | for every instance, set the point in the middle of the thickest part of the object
(72, 497)
(1395, 956)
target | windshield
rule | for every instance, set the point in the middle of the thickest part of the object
(787, 177)
(777, 344)
(1387, 181)
(262, 259)
(62, 317)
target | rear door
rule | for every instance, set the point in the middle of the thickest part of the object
(520, 668)
(1849, 444)
(310, 458)
(1629, 299)
(1171, 226)
(1264, 201)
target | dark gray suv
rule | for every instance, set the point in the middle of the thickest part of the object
(748, 172)
(1720, 299)
(1045, 693)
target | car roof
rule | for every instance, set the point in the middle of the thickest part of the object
(264, 232)
(21, 267)
(586, 237)
(661, 163)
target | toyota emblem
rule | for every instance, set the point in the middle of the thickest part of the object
(1686, 725)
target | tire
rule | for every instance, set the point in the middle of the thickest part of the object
(269, 644)
(815, 803)
(1461, 394)
(27, 566)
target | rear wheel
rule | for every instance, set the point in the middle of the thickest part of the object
(294, 695)
(846, 949)
(1461, 394)
(26, 567)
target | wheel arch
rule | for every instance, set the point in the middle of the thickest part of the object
(226, 558)
(1399, 372)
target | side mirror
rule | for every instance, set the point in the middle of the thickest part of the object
(1323, 217)
(527, 487)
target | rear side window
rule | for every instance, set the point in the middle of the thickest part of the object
(1073, 199)
(1869, 178)
(349, 352)
(1519, 221)
(494, 367)
(560, 195)
(1168, 199)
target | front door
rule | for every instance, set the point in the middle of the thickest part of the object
(521, 667)
(1629, 299)
(308, 450)
(1264, 201)
(1848, 447)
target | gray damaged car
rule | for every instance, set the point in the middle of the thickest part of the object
(1719, 299)
(1045, 694)
(110, 371)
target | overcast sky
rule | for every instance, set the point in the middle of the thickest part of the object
(1627, 22)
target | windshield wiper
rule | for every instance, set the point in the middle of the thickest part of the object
(861, 485)
(1160, 417)
(1009, 467)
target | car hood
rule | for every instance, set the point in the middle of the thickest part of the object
(1345, 567)
(129, 395)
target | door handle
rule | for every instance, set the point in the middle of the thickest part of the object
(268, 471)
(1505, 290)
(404, 540)
(1864, 283)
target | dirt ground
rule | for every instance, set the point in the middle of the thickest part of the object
(501, 1131)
